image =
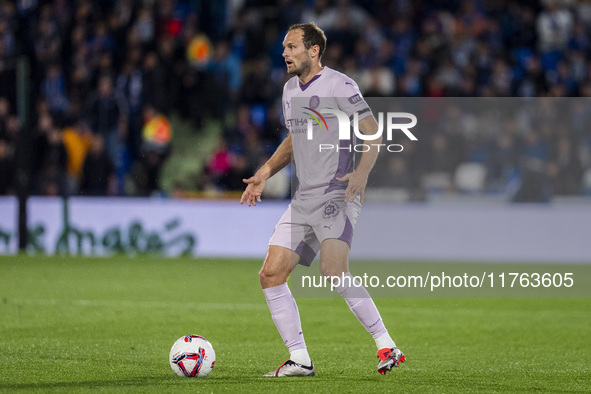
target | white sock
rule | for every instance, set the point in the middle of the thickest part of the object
(384, 341)
(300, 356)
(362, 305)
(286, 316)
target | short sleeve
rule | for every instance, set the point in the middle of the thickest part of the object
(350, 99)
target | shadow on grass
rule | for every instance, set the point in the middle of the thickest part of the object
(420, 381)
(171, 381)
(136, 382)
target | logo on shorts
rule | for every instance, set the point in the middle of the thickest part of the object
(331, 209)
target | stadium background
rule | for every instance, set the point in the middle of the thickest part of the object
(214, 71)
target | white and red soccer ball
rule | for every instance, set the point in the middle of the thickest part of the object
(192, 356)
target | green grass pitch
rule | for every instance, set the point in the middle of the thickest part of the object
(94, 324)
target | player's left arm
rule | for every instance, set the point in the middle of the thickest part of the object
(358, 178)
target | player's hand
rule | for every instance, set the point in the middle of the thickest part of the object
(357, 183)
(253, 191)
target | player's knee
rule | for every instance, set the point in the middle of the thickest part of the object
(270, 276)
(264, 277)
(331, 271)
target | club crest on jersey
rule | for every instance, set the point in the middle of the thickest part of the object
(331, 209)
(314, 102)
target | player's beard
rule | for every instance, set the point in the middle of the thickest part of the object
(303, 69)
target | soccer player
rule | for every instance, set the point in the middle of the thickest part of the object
(325, 207)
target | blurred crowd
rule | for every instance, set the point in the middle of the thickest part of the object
(101, 70)
(525, 150)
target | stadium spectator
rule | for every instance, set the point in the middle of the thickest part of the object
(565, 170)
(155, 148)
(235, 135)
(220, 163)
(155, 91)
(54, 90)
(239, 170)
(147, 173)
(322, 14)
(98, 172)
(554, 26)
(129, 84)
(8, 168)
(4, 115)
(501, 160)
(226, 69)
(257, 87)
(397, 175)
(77, 141)
(107, 113)
(273, 129)
(51, 159)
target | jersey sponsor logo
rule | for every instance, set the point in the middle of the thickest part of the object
(297, 125)
(331, 209)
(318, 115)
(355, 99)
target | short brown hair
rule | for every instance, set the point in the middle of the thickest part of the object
(313, 35)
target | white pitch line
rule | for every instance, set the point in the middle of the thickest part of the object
(219, 306)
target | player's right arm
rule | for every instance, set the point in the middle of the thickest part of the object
(256, 183)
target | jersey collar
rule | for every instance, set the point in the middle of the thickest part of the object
(307, 84)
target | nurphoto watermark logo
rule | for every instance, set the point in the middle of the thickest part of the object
(344, 124)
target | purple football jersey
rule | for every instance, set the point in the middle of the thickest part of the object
(317, 164)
